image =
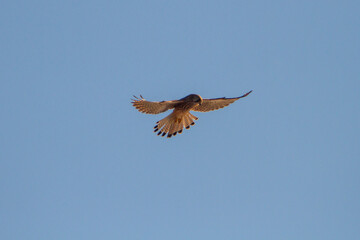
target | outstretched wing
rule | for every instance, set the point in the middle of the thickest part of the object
(216, 103)
(149, 107)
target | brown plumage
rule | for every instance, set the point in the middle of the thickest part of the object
(181, 117)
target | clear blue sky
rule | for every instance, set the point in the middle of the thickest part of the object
(79, 162)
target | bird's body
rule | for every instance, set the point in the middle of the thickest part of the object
(181, 117)
(189, 102)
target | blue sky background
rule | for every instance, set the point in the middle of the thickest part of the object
(79, 162)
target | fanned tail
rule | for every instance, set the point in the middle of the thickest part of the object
(174, 124)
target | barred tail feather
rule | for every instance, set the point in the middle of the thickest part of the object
(174, 123)
(193, 117)
(189, 120)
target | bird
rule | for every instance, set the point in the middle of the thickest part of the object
(181, 117)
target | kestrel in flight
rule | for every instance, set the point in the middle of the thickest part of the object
(181, 116)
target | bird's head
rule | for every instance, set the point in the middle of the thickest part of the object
(194, 98)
